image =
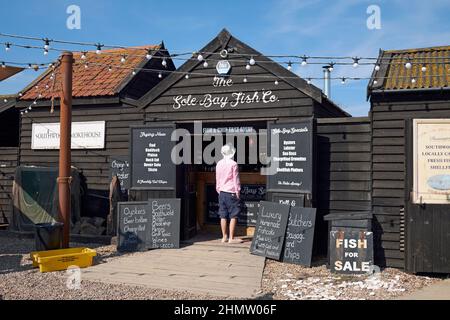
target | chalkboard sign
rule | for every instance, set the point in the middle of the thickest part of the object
(133, 225)
(250, 195)
(151, 163)
(120, 167)
(351, 252)
(270, 230)
(291, 155)
(293, 200)
(165, 227)
(299, 236)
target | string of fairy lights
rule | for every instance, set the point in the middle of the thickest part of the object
(421, 63)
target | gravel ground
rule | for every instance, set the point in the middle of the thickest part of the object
(18, 280)
(293, 282)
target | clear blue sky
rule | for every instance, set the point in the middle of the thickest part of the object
(297, 27)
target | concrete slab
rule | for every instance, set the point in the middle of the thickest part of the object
(208, 267)
(437, 291)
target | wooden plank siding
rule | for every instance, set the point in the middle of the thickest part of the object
(8, 164)
(389, 114)
(343, 167)
(93, 164)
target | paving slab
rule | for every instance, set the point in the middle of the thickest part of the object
(207, 267)
(437, 291)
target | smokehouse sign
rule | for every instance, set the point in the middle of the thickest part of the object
(85, 135)
(151, 163)
(235, 99)
(431, 161)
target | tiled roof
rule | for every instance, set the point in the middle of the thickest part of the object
(395, 76)
(94, 81)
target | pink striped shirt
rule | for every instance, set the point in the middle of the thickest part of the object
(227, 176)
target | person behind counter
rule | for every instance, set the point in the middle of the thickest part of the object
(228, 187)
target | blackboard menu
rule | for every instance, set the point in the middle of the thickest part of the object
(120, 167)
(293, 200)
(134, 223)
(351, 252)
(299, 236)
(270, 230)
(291, 156)
(250, 195)
(151, 163)
(165, 228)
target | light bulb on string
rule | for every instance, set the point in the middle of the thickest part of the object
(304, 61)
(29, 66)
(377, 67)
(408, 64)
(83, 55)
(355, 62)
(86, 66)
(99, 49)
(7, 46)
(160, 75)
(164, 62)
(244, 80)
(343, 80)
(205, 64)
(5, 100)
(30, 107)
(133, 72)
(276, 82)
(34, 102)
(309, 81)
(289, 67)
(20, 94)
(148, 56)
(331, 66)
(413, 80)
(375, 82)
(45, 52)
(26, 111)
(200, 57)
(123, 59)
(423, 69)
(46, 44)
(252, 61)
(3, 64)
(109, 69)
(187, 76)
(247, 67)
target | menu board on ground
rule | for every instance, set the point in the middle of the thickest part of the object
(151, 163)
(165, 228)
(250, 194)
(134, 223)
(270, 230)
(299, 236)
(291, 155)
(120, 167)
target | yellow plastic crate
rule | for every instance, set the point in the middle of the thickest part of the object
(61, 259)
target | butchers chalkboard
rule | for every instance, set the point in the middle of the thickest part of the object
(299, 236)
(151, 163)
(293, 200)
(133, 226)
(351, 252)
(165, 228)
(291, 155)
(250, 195)
(120, 167)
(270, 230)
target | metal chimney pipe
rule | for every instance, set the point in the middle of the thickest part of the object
(326, 81)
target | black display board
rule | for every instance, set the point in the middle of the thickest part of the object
(151, 164)
(351, 252)
(293, 200)
(120, 166)
(270, 230)
(165, 228)
(133, 225)
(250, 195)
(299, 236)
(293, 161)
(148, 224)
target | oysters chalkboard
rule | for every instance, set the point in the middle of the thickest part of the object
(299, 236)
(291, 154)
(133, 227)
(151, 163)
(165, 228)
(270, 230)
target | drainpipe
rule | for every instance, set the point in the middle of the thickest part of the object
(327, 81)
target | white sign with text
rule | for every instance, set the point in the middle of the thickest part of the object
(85, 135)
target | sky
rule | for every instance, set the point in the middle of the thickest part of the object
(283, 27)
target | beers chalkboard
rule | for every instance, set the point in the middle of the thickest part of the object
(270, 230)
(299, 236)
(165, 227)
(250, 195)
(151, 163)
(351, 252)
(120, 167)
(133, 226)
(291, 153)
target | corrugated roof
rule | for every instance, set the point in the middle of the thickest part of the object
(94, 81)
(393, 75)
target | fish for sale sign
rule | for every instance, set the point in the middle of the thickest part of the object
(351, 252)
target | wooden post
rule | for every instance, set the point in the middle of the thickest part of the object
(65, 120)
